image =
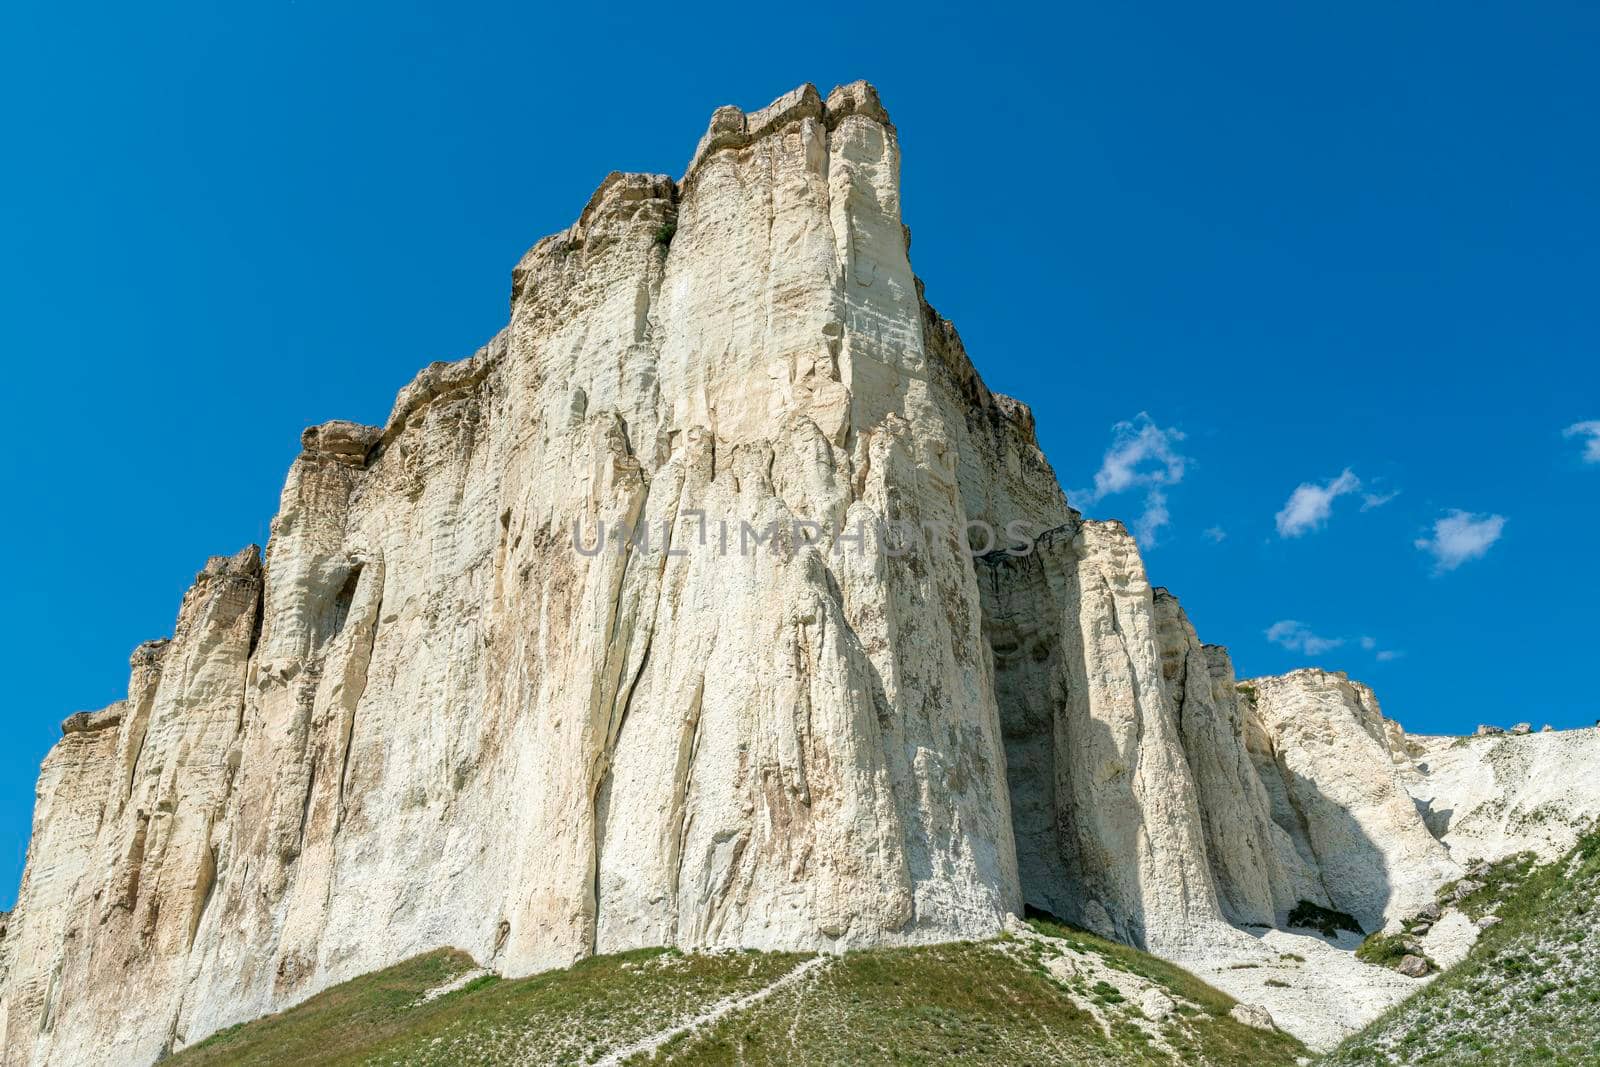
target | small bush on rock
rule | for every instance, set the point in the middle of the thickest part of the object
(1325, 920)
(1386, 950)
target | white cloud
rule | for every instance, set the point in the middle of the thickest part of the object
(1142, 456)
(1310, 504)
(1297, 637)
(1461, 536)
(1382, 655)
(1376, 500)
(1216, 535)
(1591, 430)
(1154, 518)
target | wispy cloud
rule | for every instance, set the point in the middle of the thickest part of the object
(1142, 456)
(1155, 516)
(1461, 536)
(1590, 430)
(1382, 655)
(1377, 500)
(1297, 637)
(1215, 534)
(1310, 504)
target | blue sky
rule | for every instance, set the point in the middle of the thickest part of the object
(1224, 256)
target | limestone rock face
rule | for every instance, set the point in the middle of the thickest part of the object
(1108, 825)
(122, 863)
(1493, 796)
(1258, 877)
(1339, 765)
(433, 719)
(68, 810)
(715, 601)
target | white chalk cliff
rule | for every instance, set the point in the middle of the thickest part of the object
(427, 718)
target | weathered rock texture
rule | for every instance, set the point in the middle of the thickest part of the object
(1494, 796)
(430, 718)
(1336, 766)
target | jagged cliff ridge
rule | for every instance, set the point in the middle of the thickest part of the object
(427, 720)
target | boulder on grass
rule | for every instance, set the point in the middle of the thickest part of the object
(1156, 1005)
(1252, 1015)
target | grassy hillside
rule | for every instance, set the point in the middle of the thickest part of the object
(1528, 993)
(1047, 995)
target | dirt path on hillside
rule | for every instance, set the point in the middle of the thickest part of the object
(713, 1014)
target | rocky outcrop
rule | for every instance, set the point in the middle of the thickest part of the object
(1335, 766)
(1495, 795)
(68, 810)
(715, 601)
(1258, 878)
(122, 865)
(1108, 825)
(433, 719)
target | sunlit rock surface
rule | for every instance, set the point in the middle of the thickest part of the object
(457, 704)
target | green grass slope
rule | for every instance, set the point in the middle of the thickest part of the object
(570, 1016)
(1049, 995)
(1528, 993)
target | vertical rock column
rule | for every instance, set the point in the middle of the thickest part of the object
(1125, 854)
(1258, 877)
(164, 764)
